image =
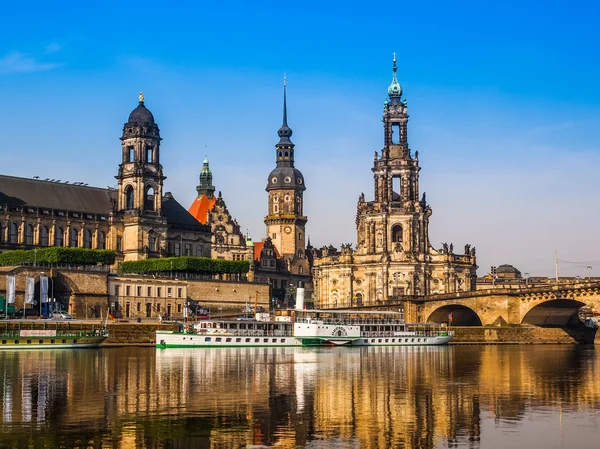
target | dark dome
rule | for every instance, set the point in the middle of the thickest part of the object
(285, 178)
(141, 115)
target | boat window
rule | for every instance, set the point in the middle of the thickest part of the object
(372, 340)
(228, 340)
(74, 341)
(242, 326)
(41, 342)
(250, 326)
(257, 340)
(266, 340)
(218, 339)
(283, 340)
(247, 340)
(412, 340)
(28, 342)
(3, 342)
(64, 341)
(274, 340)
(379, 340)
(206, 338)
(52, 341)
(393, 340)
(387, 340)
(16, 342)
(232, 326)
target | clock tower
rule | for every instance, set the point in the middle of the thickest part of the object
(285, 220)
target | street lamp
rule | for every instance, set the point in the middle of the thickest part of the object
(589, 268)
(526, 279)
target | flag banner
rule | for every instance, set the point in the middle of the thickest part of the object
(11, 283)
(29, 290)
(44, 289)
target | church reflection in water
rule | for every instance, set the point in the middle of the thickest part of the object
(293, 397)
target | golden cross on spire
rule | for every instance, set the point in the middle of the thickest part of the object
(141, 97)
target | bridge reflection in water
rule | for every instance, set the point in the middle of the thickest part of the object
(492, 396)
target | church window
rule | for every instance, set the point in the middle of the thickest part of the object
(73, 238)
(149, 151)
(275, 208)
(101, 240)
(271, 263)
(188, 249)
(264, 262)
(300, 253)
(300, 270)
(149, 205)
(286, 154)
(44, 236)
(397, 233)
(274, 235)
(87, 238)
(299, 236)
(119, 243)
(280, 155)
(28, 234)
(130, 154)
(177, 249)
(129, 198)
(151, 243)
(396, 188)
(198, 250)
(395, 133)
(58, 237)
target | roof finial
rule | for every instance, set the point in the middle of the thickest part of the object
(141, 97)
(395, 90)
(284, 99)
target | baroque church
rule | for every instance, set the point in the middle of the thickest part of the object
(393, 257)
(137, 219)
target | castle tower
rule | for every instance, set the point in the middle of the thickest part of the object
(285, 220)
(205, 187)
(140, 180)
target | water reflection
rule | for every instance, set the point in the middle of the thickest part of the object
(543, 396)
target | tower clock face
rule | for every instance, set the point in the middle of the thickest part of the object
(287, 229)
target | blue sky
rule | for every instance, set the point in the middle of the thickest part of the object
(503, 98)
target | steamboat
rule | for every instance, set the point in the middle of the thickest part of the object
(306, 328)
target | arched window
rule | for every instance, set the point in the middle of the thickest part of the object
(286, 154)
(300, 270)
(129, 198)
(149, 205)
(58, 237)
(130, 154)
(280, 155)
(87, 239)
(149, 153)
(396, 133)
(300, 253)
(152, 243)
(13, 234)
(101, 240)
(397, 233)
(44, 236)
(73, 238)
(359, 299)
(29, 234)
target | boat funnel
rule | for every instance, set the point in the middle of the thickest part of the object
(300, 298)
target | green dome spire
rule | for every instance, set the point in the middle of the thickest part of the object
(395, 89)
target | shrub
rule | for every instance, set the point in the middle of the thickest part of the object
(58, 254)
(202, 265)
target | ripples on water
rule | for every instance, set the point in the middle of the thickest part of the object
(335, 398)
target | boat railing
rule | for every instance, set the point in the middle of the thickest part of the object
(16, 333)
(426, 333)
(244, 332)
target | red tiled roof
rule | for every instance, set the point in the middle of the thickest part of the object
(201, 207)
(258, 247)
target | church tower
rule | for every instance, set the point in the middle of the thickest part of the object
(285, 220)
(140, 181)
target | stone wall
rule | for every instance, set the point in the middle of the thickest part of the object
(524, 335)
(231, 296)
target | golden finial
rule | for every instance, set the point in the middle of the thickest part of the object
(284, 80)
(141, 97)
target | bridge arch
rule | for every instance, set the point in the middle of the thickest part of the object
(455, 315)
(554, 313)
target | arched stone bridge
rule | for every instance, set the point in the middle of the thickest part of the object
(551, 305)
(555, 305)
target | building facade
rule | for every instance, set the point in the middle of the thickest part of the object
(227, 240)
(393, 257)
(137, 220)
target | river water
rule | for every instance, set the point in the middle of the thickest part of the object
(338, 398)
